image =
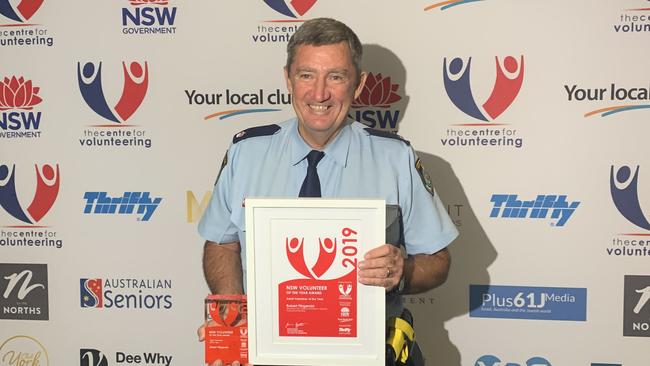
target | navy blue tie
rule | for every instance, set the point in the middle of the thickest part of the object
(311, 184)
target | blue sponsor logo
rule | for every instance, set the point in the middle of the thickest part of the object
(490, 360)
(605, 364)
(128, 204)
(521, 302)
(508, 206)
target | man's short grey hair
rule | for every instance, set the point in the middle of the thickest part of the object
(325, 31)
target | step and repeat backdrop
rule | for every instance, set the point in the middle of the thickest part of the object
(530, 116)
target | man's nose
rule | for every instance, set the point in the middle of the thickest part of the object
(321, 91)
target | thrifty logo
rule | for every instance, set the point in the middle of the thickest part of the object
(127, 204)
(508, 206)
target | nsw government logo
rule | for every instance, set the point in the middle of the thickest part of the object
(129, 203)
(126, 293)
(44, 184)
(18, 96)
(624, 187)
(16, 15)
(505, 88)
(236, 103)
(133, 89)
(491, 360)
(280, 30)
(636, 306)
(23, 291)
(544, 206)
(376, 105)
(525, 302)
(148, 17)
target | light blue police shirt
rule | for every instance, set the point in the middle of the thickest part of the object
(356, 164)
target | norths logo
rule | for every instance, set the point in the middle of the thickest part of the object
(509, 206)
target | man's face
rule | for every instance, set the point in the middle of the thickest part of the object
(322, 81)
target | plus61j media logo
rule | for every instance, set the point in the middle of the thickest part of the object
(526, 302)
(463, 89)
(326, 267)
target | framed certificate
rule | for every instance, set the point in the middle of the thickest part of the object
(305, 304)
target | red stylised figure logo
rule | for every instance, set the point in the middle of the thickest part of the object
(378, 91)
(47, 189)
(326, 255)
(225, 313)
(18, 93)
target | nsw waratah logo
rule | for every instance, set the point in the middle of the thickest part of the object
(326, 255)
(291, 8)
(134, 89)
(458, 85)
(18, 96)
(18, 93)
(47, 188)
(624, 187)
(444, 5)
(21, 12)
(374, 106)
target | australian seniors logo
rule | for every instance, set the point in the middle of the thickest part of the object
(505, 88)
(18, 96)
(23, 33)
(375, 105)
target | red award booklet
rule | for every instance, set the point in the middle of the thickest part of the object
(226, 331)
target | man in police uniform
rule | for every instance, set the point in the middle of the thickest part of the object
(323, 75)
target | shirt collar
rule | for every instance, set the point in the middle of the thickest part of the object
(337, 149)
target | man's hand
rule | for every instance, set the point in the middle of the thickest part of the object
(382, 266)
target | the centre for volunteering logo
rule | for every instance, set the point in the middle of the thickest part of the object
(235, 103)
(624, 188)
(117, 133)
(18, 96)
(148, 17)
(23, 350)
(44, 183)
(23, 291)
(126, 293)
(460, 88)
(616, 98)
(278, 31)
(634, 17)
(15, 29)
(376, 105)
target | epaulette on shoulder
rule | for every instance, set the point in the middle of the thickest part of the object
(386, 134)
(267, 130)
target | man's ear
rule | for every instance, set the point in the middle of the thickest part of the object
(288, 80)
(362, 82)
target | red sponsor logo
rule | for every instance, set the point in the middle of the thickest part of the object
(18, 93)
(378, 91)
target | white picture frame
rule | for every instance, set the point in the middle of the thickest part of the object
(275, 227)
